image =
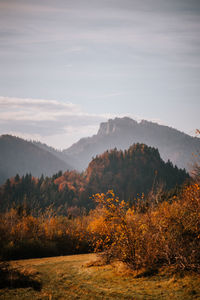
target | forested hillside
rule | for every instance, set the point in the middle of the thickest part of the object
(129, 173)
(137, 170)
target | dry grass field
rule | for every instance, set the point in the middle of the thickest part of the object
(79, 277)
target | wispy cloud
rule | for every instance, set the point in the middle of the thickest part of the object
(49, 108)
(46, 118)
(51, 121)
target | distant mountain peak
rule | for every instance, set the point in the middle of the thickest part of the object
(123, 132)
(116, 125)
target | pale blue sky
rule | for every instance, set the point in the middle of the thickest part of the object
(67, 65)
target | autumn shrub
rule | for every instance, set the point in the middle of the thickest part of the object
(111, 231)
(166, 234)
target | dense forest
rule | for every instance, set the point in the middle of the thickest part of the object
(137, 170)
(128, 173)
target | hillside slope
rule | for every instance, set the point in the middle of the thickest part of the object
(137, 170)
(20, 156)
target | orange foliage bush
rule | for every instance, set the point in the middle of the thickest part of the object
(166, 234)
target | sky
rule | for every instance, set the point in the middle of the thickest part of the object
(67, 65)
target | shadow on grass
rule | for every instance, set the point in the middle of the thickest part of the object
(12, 279)
(147, 273)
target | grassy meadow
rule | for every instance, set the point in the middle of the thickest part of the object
(85, 277)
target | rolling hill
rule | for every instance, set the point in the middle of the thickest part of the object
(20, 156)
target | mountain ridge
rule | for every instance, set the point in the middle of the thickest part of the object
(120, 133)
(123, 132)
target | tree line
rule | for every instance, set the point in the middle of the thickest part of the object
(137, 170)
